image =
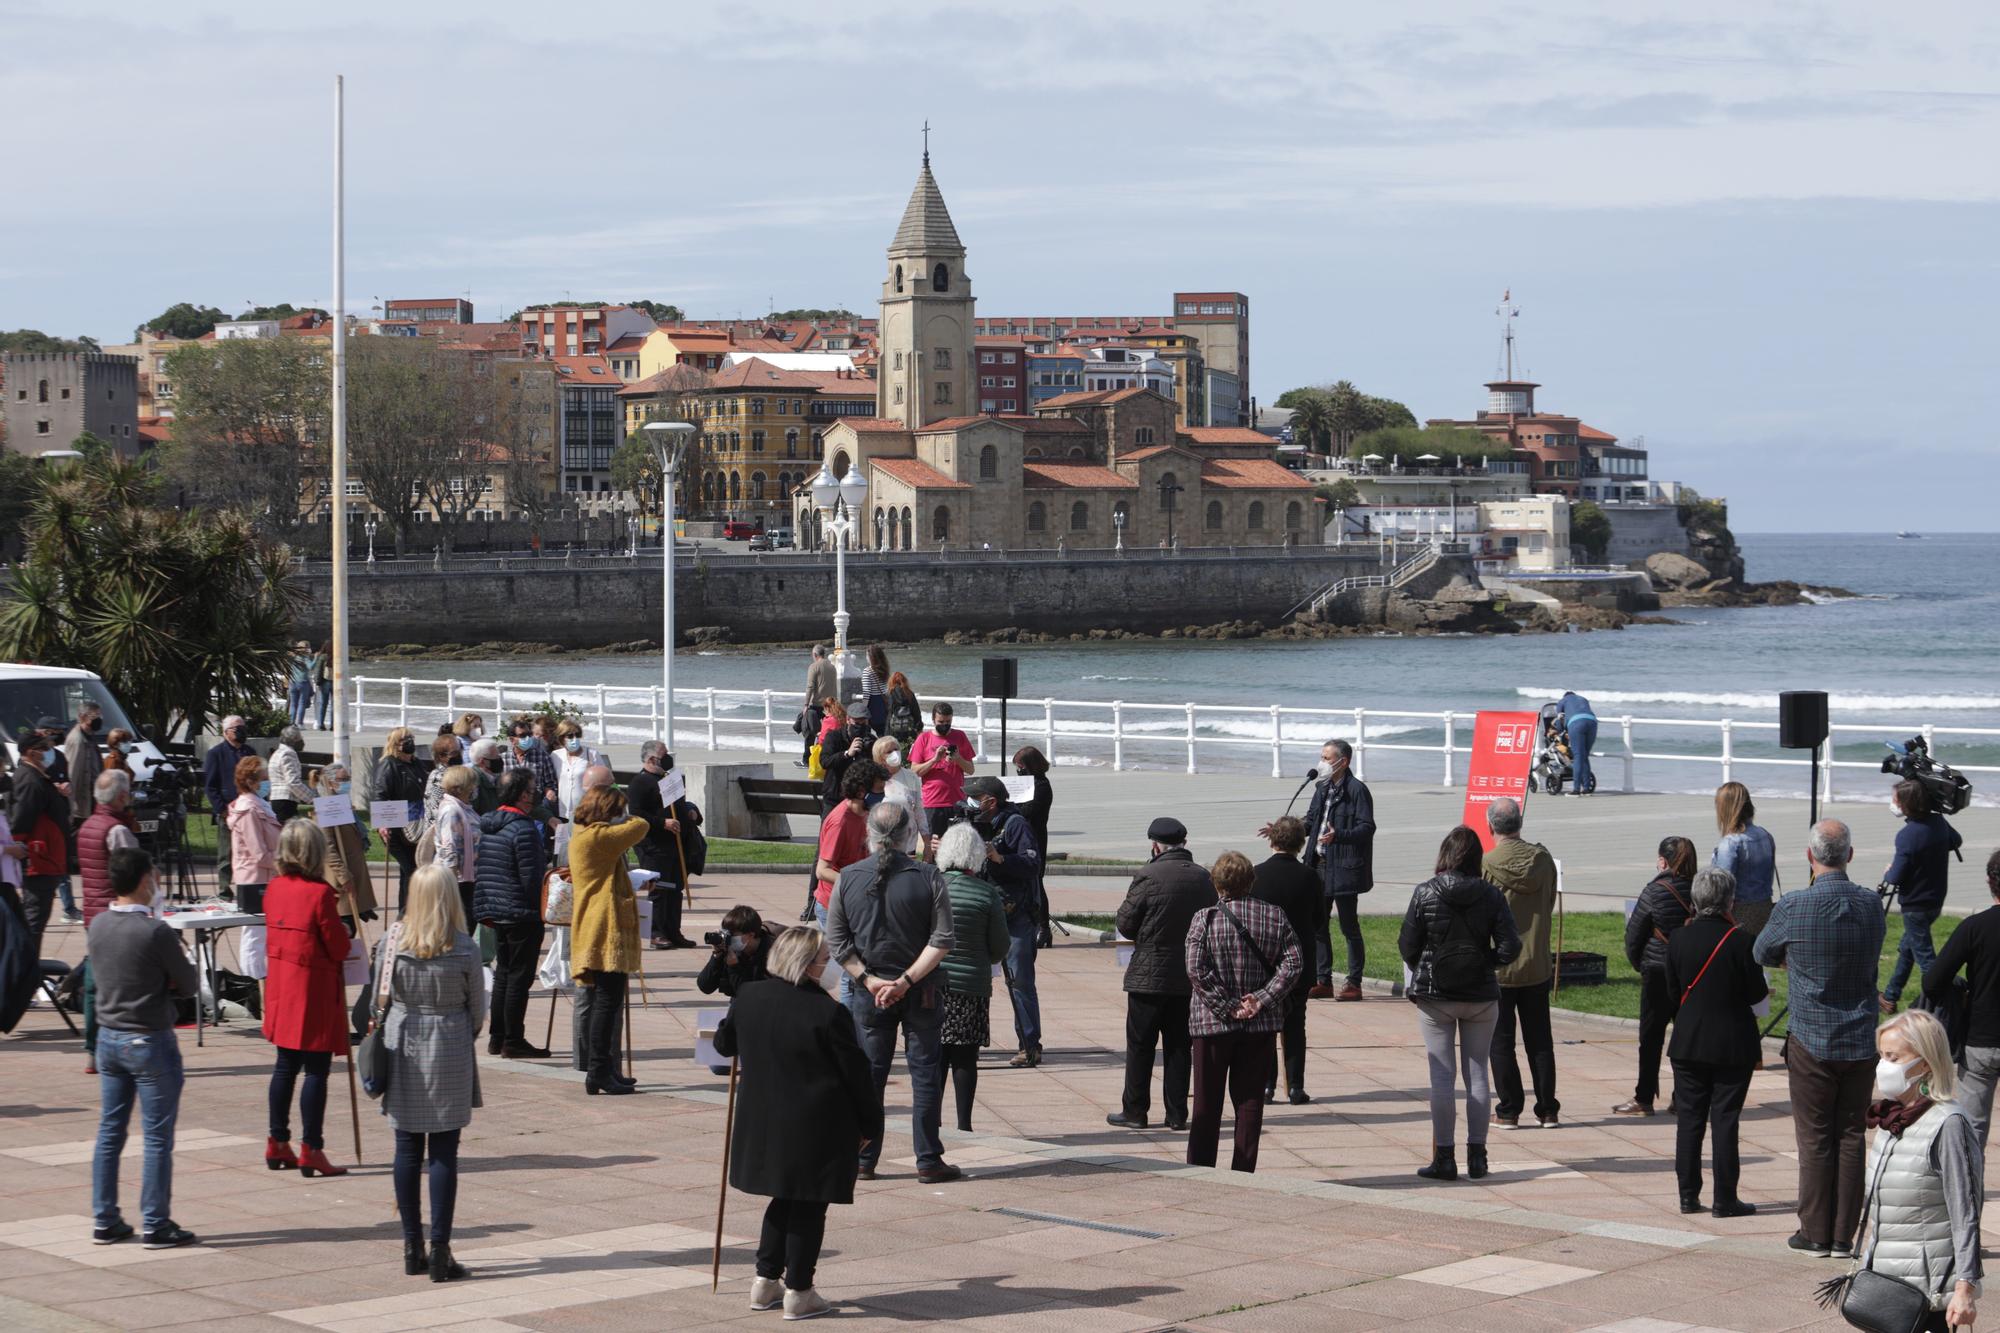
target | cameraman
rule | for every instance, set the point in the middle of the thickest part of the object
(742, 952)
(1918, 873)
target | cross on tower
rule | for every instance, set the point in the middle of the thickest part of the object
(927, 143)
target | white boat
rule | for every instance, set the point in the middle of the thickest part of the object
(1911, 536)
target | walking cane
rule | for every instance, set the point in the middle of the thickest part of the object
(680, 853)
(354, 1097)
(1559, 941)
(628, 1030)
(722, 1198)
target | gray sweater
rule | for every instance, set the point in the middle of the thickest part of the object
(138, 966)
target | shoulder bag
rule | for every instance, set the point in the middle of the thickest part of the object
(1871, 1300)
(1269, 969)
(372, 1059)
(1711, 958)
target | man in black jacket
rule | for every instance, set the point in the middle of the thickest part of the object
(507, 896)
(1340, 844)
(664, 851)
(1975, 946)
(1014, 864)
(1157, 911)
(218, 781)
(1294, 890)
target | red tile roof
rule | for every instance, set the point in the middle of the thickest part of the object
(873, 425)
(631, 342)
(1041, 474)
(1137, 454)
(585, 370)
(1225, 435)
(1584, 432)
(960, 423)
(833, 384)
(1252, 472)
(757, 373)
(1055, 426)
(920, 474)
(1082, 398)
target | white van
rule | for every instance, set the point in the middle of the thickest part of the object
(29, 694)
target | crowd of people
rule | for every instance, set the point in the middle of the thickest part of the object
(928, 881)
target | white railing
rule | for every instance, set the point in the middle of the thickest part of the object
(1128, 735)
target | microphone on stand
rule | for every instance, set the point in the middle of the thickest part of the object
(1311, 775)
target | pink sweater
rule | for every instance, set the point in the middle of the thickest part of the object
(253, 841)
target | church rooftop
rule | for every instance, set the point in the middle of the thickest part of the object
(926, 225)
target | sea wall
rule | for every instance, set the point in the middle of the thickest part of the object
(790, 596)
(1637, 531)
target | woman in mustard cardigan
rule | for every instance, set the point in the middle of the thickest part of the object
(604, 926)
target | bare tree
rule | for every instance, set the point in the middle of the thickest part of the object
(250, 429)
(409, 412)
(523, 436)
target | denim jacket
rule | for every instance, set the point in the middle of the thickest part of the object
(1752, 857)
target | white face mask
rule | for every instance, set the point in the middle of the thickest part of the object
(1893, 1079)
(895, 760)
(476, 732)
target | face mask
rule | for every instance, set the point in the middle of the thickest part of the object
(1895, 810)
(525, 744)
(126, 747)
(894, 760)
(943, 728)
(574, 745)
(492, 766)
(264, 789)
(343, 789)
(1891, 1078)
(871, 800)
(97, 724)
(477, 732)
(407, 747)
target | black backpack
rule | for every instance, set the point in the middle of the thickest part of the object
(1459, 964)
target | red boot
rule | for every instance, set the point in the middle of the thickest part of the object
(312, 1162)
(278, 1156)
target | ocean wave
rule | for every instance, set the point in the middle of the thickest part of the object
(1884, 703)
(1157, 680)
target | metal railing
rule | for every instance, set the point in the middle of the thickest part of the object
(1395, 578)
(1127, 735)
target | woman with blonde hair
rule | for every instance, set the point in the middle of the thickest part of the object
(469, 728)
(1920, 1224)
(346, 856)
(604, 928)
(457, 832)
(397, 778)
(305, 1003)
(1748, 853)
(117, 744)
(808, 1103)
(437, 1002)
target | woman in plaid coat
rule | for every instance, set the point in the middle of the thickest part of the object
(437, 1004)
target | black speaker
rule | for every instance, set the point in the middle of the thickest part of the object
(1000, 677)
(1801, 719)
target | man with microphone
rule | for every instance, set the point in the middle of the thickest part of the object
(1340, 845)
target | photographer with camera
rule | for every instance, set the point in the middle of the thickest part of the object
(1917, 874)
(740, 952)
(942, 757)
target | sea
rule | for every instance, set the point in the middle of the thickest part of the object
(1917, 645)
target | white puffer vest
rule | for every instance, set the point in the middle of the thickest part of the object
(1908, 1219)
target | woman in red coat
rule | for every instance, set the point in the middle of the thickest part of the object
(305, 1002)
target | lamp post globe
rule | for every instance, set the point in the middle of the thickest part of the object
(825, 490)
(854, 489)
(669, 440)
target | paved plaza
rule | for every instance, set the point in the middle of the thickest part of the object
(599, 1213)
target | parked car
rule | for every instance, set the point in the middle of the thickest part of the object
(738, 530)
(782, 539)
(761, 542)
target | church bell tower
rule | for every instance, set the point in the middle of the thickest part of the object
(926, 371)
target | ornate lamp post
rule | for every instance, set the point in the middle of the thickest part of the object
(1118, 525)
(369, 528)
(839, 501)
(670, 442)
(1168, 490)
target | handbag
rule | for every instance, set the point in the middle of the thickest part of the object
(1871, 1300)
(372, 1057)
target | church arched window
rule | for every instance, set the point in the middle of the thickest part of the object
(942, 358)
(941, 278)
(1256, 516)
(1079, 517)
(1038, 517)
(941, 524)
(899, 277)
(989, 463)
(1214, 523)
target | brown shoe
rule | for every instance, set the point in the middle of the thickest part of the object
(1633, 1107)
(1320, 991)
(1349, 992)
(941, 1174)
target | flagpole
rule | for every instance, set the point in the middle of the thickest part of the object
(339, 423)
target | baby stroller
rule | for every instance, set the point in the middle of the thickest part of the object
(1553, 767)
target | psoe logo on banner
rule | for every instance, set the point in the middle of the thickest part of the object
(1515, 739)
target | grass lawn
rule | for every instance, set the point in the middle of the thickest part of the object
(1593, 932)
(747, 852)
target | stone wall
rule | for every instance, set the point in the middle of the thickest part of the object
(790, 597)
(1637, 531)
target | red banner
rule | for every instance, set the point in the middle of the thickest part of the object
(1503, 750)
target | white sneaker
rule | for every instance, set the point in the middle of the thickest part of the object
(807, 1304)
(766, 1293)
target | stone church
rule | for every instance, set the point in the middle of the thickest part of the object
(1084, 471)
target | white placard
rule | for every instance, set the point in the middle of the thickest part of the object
(332, 811)
(706, 1021)
(388, 814)
(673, 786)
(1019, 789)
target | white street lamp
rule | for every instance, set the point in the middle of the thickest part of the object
(839, 501)
(1118, 523)
(670, 441)
(369, 528)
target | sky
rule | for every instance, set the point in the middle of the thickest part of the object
(1759, 236)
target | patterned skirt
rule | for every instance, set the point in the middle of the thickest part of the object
(965, 1020)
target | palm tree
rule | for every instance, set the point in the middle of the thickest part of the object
(1347, 414)
(1312, 422)
(177, 610)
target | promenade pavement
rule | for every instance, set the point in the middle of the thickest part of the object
(581, 1213)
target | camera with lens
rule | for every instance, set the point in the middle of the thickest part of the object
(715, 939)
(1949, 790)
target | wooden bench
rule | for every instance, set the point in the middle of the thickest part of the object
(781, 796)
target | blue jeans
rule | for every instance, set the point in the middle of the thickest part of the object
(920, 1015)
(301, 697)
(1582, 735)
(846, 982)
(1020, 969)
(1914, 948)
(145, 1066)
(325, 704)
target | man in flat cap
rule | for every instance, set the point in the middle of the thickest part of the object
(1155, 916)
(1014, 864)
